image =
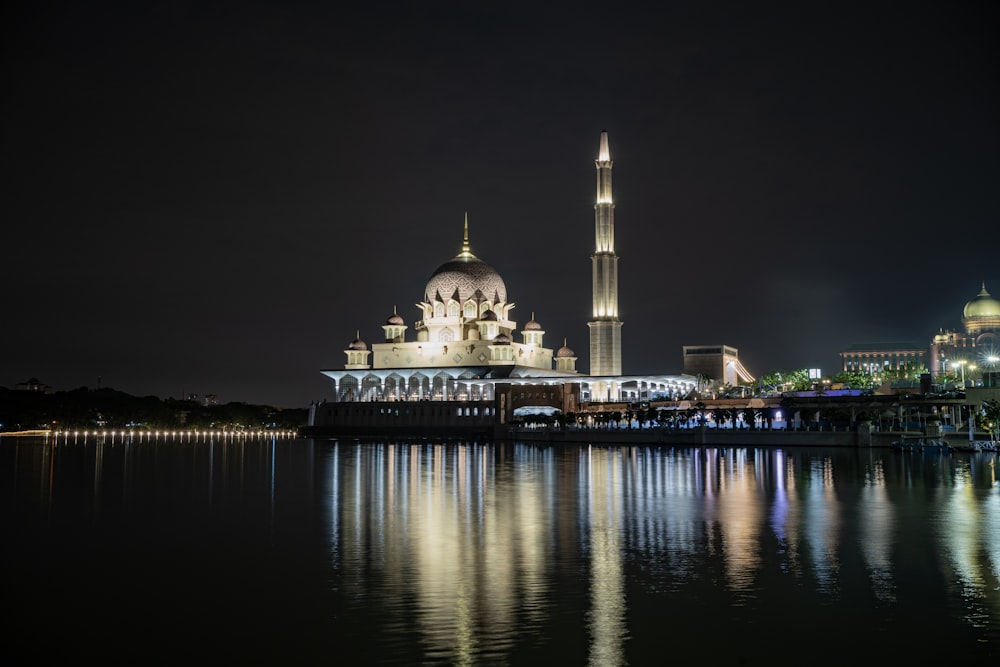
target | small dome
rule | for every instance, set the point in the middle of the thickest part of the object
(357, 344)
(564, 352)
(501, 339)
(983, 305)
(532, 325)
(488, 316)
(395, 320)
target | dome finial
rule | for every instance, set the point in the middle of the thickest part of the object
(465, 237)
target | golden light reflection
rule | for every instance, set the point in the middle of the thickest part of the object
(740, 517)
(468, 545)
(965, 536)
(468, 537)
(877, 532)
(607, 579)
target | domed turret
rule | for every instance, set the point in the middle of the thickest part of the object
(532, 332)
(357, 353)
(565, 359)
(501, 339)
(394, 328)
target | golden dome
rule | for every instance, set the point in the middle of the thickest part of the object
(983, 305)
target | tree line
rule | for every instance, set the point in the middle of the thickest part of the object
(85, 408)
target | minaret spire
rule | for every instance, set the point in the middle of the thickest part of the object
(605, 327)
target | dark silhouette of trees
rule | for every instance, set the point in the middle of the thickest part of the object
(85, 408)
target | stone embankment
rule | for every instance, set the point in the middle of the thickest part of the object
(695, 437)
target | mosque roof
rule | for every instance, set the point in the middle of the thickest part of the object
(395, 319)
(983, 305)
(466, 277)
(564, 352)
(357, 343)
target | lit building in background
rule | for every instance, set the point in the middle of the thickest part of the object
(879, 357)
(720, 363)
(973, 356)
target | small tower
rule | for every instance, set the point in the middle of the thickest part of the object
(533, 332)
(394, 328)
(488, 325)
(565, 359)
(500, 349)
(357, 354)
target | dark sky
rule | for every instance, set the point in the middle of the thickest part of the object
(214, 198)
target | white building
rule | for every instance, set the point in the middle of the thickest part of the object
(466, 340)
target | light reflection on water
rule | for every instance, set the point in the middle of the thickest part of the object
(449, 553)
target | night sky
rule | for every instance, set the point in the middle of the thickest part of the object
(213, 198)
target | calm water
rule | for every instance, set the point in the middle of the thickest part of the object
(326, 552)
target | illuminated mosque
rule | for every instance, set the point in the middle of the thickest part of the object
(466, 343)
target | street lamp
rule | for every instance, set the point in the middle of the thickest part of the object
(961, 363)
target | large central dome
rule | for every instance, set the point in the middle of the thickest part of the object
(466, 277)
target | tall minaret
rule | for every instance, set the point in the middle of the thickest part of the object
(605, 327)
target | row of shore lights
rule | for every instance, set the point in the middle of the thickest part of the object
(195, 433)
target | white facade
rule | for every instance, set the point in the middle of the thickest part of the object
(465, 334)
(464, 342)
(605, 327)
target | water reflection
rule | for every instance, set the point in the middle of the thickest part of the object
(452, 553)
(602, 476)
(877, 531)
(473, 532)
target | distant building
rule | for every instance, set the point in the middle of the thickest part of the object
(880, 357)
(719, 363)
(973, 354)
(33, 385)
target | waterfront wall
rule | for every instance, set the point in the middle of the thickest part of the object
(696, 437)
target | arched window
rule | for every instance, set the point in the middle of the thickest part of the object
(446, 335)
(453, 309)
(483, 307)
(470, 308)
(438, 309)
